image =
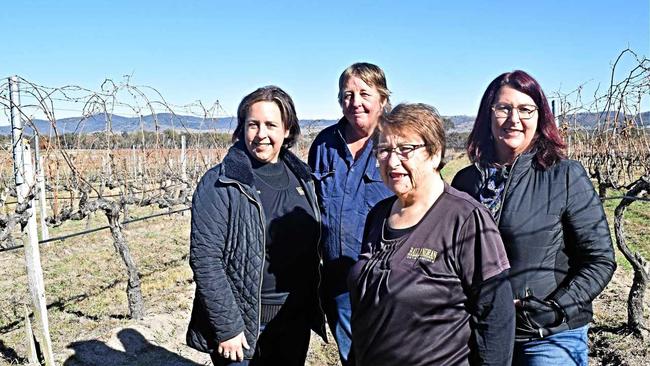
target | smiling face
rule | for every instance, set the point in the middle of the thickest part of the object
(405, 177)
(362, 105)
(512, 135)
(264, 131)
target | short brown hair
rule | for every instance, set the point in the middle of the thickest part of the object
(273, 94)
(420, 119)
(371, 74)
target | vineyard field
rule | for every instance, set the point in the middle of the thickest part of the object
(89, 317)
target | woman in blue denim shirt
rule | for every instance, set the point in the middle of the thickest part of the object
(348, 184)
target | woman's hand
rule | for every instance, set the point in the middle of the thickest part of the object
(233, 349)
(536, 318)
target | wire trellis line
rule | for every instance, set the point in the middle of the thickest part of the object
(89, 231)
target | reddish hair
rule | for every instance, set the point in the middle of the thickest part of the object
(547, 144)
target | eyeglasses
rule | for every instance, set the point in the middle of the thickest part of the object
(403, 151)
(525, 111)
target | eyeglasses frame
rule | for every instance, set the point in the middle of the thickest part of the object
(396, 150)
(512, 109)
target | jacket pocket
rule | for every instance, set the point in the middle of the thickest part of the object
(534, 314)
(320, 175)
(324, 184)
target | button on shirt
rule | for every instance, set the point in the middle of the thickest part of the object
(347, 189)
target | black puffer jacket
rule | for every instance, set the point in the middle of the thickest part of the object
(556, 236)
(227, 252)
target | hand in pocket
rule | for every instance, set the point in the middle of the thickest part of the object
(542, 314)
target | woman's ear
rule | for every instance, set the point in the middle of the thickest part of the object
(437, 159)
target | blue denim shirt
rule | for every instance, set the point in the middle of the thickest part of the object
(347, 189)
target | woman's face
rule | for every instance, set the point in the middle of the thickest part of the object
(405, 172)
(264, 131)
(512, 134)
(362, 105)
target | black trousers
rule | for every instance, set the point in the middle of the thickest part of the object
(283, 341)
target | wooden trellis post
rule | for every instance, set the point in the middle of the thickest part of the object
(24, 177)
(183, 159)
(183, 166)
(40, 179)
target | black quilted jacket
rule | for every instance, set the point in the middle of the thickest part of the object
(555, 232)
(227, 252)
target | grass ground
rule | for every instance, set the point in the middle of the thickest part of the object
(85, 287)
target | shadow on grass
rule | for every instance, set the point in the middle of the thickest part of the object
(137, 351)
(602, 345)
(620, 329)
(9, 354)
(63, 304)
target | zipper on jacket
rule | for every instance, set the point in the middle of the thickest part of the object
(262, 221)
(316, 209)
(314, 206)
(505, 190)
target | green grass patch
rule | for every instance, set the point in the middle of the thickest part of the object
(452, 167)
(636, 221)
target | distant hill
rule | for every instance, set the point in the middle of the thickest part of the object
(167, 121)
(462, 123)
(584, 120)
(164, 121)
(590, 120)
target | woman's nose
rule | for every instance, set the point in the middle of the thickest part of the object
(356, 100)
(393, 159)
(514, 115)
(262, 132)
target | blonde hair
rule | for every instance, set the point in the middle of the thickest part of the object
(371, 74)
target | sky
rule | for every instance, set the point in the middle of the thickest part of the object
(443, 53)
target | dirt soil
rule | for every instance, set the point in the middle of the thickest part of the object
(159, 339)
(90, 328)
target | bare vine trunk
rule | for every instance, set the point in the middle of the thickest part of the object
(133, 291)
(635, 316)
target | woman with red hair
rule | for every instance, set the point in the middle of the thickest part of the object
(550, 219)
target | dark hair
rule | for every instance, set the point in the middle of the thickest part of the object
(274, 94)
(420, 119)
(547, 144)
(371, 74)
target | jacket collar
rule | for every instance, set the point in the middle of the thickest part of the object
(237, 164)
(523, 159)
(523, 162)
(521, 165)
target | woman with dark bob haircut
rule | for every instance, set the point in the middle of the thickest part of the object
(254, 243)
(549, 216)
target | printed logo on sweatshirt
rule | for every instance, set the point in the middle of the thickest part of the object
(425, 254)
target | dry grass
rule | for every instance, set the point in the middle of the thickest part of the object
(85, 284)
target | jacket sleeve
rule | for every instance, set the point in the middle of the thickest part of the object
(207, 259)
(460, 180)
(468, 180)
(484, 271)
(493, 322)
(588, 239)
(312, 157)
